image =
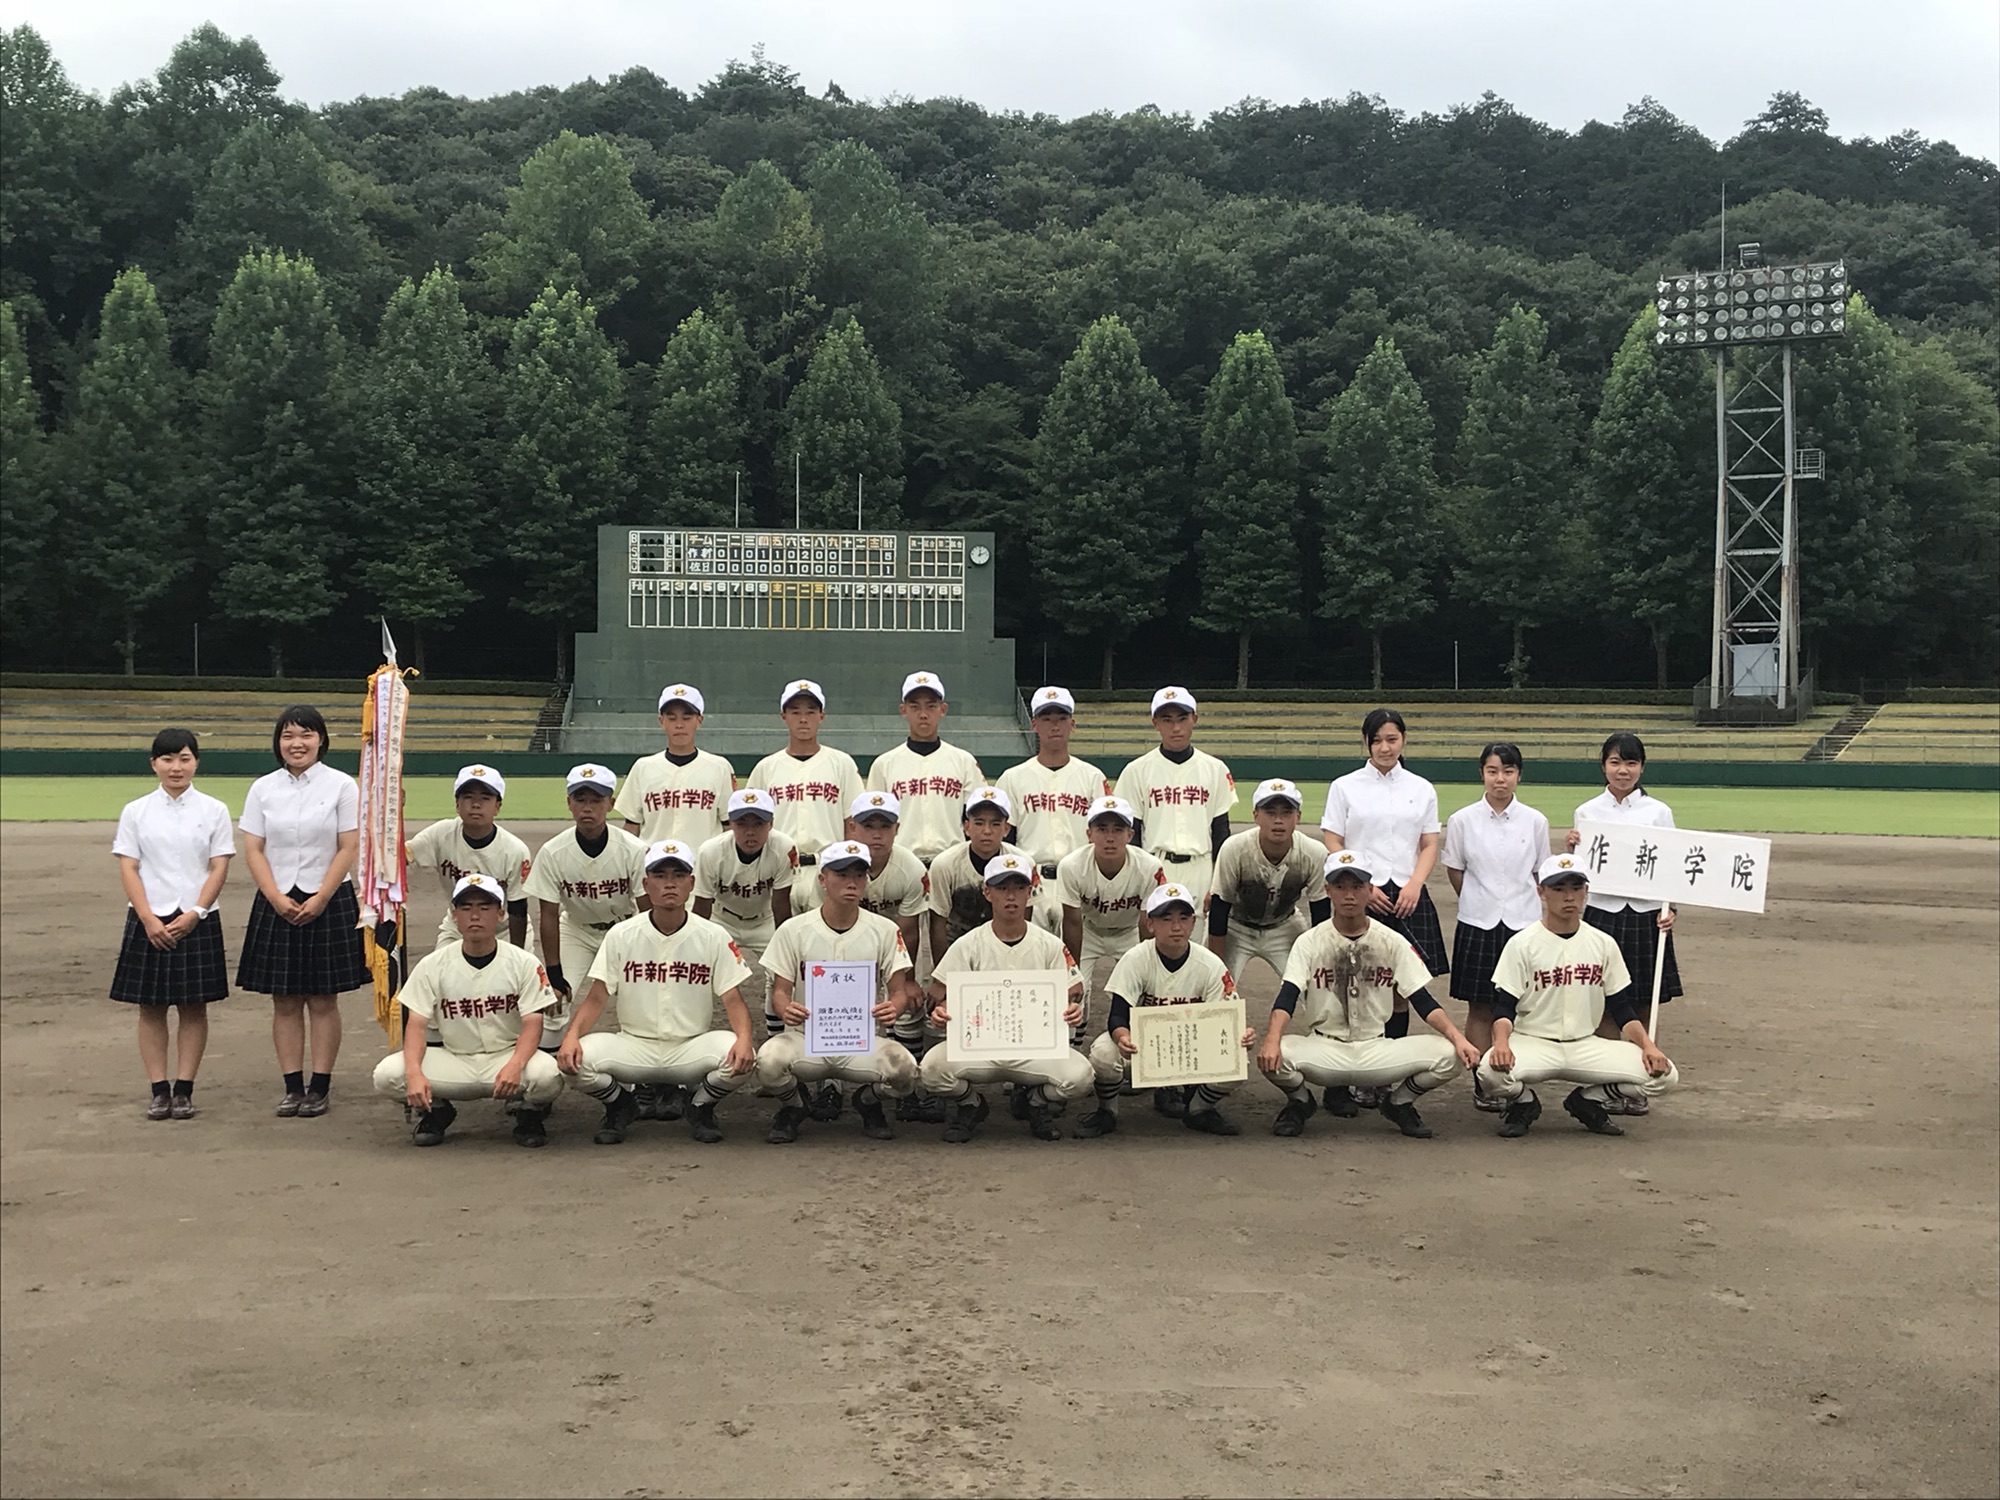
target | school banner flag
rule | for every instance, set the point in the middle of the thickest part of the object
(381, 868)
(1683, 865)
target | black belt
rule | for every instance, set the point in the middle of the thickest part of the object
(1178, 859)
(1048, 872)
(600, 926)
(808, 859)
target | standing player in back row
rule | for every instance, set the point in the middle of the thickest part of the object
(679, 792)
(1182, 796)
(811, 785)
(929, 776)
(1052, 792)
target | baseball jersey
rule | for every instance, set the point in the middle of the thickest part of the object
(809, 797)
(477, 1007)
(1260, 893)
(740, 889)
(1560, 982)
(1496, 854)
(1143, 978)
(1050, 805)
(442, 847)
(1348, 986)
(1176, 803)
(804, 938)
(590, 891)
(1387, 815)
(663, 987)
(1110, 903)
(901, 888)
(980, 952)
(670, 801)
(932, 790)
(958, 887)
(1642, 809)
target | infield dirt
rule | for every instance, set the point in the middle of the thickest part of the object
(1782, 1282)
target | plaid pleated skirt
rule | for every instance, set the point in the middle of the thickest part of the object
(1421, 927)
(194, 971)
(1637, 934)
(321, 958)
(1475, 954)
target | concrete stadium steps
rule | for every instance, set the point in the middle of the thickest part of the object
(1928, 733)
(117, 719)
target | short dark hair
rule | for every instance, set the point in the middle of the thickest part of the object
(1625, 745)
(1508, 752)
(173, 741)
(306, 717)
(1372, 725)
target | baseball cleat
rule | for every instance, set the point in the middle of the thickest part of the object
(785, 1127)
(962, 1117)
(529, 1129)
(1098, 1122)
(645, 1102)
(618, 1117)
(874, 1119)
(1406, 1119)
(1522, 1113)
(1625, 1100)
(1017, 1101)
(1292, 1118)
(1340, 1101)
(433, 1123)
(1591, 1115)
(1042, 1118)
(1209, 1122)
(701, 1124)
(1171, 1102)
(671, 1102)
(826, 1103)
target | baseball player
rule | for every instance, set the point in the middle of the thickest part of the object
(679, 792)
(488, 999)
(1101, 889)
(929, 776)
(1556, 980)
(1007, 942)
(1182, 796)
(957, 900)
(1253, 903)
(585, 881)
(1051, 793)
(1166, 969)
(743, 879)
(837, 930)
(473, 843)
(810, 784)
(1346, 974)
(662, 972)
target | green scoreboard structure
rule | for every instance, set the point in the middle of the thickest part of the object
(740, 613)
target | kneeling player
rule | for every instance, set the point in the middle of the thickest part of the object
(837, 930)
(1556, 980)
(1349, 972)
(663, 971)
(487, 999)
(1166, 969)
(1042, 1089)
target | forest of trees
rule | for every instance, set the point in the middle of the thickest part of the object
(1323, 393)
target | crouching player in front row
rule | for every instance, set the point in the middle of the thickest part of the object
(662, 972)
(1349, 972)
(486, 999)
(1556, 980)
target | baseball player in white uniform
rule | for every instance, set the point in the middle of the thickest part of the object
(1182, 796)
(662, 972)
(929, 776)
(1344, 976)
(1166, 969)
(1102, 888)
(810, 784)
(837, 930)
(679, 792)
(1557, 978)
(1007, 942)
(474, 844)
(743, 879)
(957, 900)
(487, 998)
(1051, 792)
(1260, 874)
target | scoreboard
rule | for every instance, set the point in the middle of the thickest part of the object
(840, 581)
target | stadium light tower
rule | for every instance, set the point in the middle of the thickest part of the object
(1749, 317)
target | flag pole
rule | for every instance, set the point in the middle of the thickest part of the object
(1659, 972)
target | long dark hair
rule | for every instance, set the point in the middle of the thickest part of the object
(306, 717)
(1372, 726)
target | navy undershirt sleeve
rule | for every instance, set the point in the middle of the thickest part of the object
(1319, 911)
(1504, 1005)
(1121, 1013)
(1620, 1007)
(1218, 917)
(1288, 998)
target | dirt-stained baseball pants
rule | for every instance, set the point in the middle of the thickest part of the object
(611, 1058)
(470, 1075)
(1406, 1065)
(1065, 1077)
(1592, 1061)
(782, 1062)
(1272, 944)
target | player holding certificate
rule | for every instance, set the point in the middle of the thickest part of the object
(808, 955)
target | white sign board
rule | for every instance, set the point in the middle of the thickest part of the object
(840, 1008)
(1183, 1044)
(1006, 1015)
(1681, 865)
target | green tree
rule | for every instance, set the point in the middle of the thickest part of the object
(24, 506)
(573, 223)
(425, 399)
(276, 447)
(1108, 475)
(1515, 512)
(1651, 465)
(843, 428)
(1379, 501)
(125, 462)
(1953, 491)
(565, 469)
(1246, 484)
(695, 430)
(877, 258)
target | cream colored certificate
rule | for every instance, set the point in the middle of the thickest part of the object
(1006, 1015)
(1181, 1044)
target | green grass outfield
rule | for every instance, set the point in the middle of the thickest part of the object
(40, 799)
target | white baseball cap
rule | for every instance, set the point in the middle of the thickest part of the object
(680, 692)
(669, 851)
(1277, 789)
(980, 796)
(1350, 862)
(1111, 807)
(1047, 699)
(1561, 867)
(1168, 895)
(1173, 697)
(1008, 867)
(478, 885)
(591, 777)
(484, 775)
(752, 801)
(847, 852)
(803, 685)
(923, 682)
(876, 805)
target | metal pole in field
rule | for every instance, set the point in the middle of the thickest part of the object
(1721, 609)
(798, 496)
(739, 499)
(857, 502)
(197, 648)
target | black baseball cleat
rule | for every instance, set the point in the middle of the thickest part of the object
(826, 1103)
(1522, 1113)
(645, 1102)
(962, 1117)
(1043, 1119)
(701, 1124)
(530, 1128)
(433, 1123)
(1340, 1102)
(1209, 1122)
(1171, 1102)
(618, 1117)
(671, 1102)
(1406, 1119)
(874, 1119)
(1292, 1118)
(1017, 1101)
(1591, 1115)
(1098, 1122)
(785, 1127)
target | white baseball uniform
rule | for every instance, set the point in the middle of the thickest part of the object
(979, 951)
(663, 989)
(1143, 977)
(958, 892)
(477, 1008)
(670, 798)
(809, 798)
(742, 890)
(442, 847)
(1109, 904)
(1050, 807)
(1347, 989)
(592, 894)
(932, 790)
(782, 1062)
(1265, 918)
(1176, 802)
(901, 888)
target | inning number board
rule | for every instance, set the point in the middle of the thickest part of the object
(818, 581)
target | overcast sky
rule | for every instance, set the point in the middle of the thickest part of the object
(1875, 68)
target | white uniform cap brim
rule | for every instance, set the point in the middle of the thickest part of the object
(1358, 865)
(876, 805)
(681, 692)
(1173, 697)
(484, 775)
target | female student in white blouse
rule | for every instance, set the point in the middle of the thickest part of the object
(301, 828)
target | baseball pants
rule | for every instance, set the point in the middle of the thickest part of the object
(1098, 947)
(1406, 1065)
(1066, 1077)
(756, 990)
(783, 1062)
(1194, 873)
(579, 952)
(611, 1058)
(1600, 1064)
(1110, 1068)
(470, 1075)
(1272, 944)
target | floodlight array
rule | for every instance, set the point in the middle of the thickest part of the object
(1764, 305)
